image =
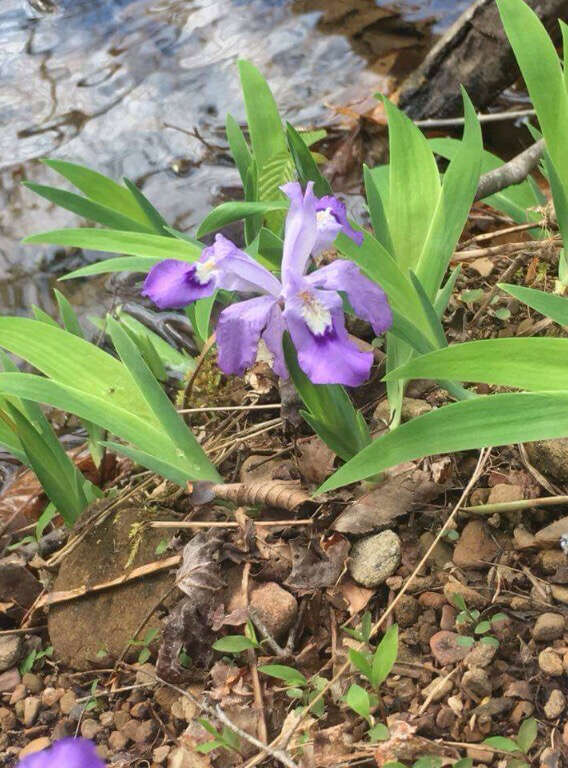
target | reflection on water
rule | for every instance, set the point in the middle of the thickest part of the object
(99, 81)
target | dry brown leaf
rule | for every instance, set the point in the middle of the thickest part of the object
(357, 597)
(483, 266)
(316, 460)
(273, 494)
(313, 569)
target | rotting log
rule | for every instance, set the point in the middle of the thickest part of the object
(475, 53)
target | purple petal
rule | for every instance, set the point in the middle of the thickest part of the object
(239, 330)
(301, 230)
(365, 296)
(66, 753)
(272, 337)
(238, 271)
(172, 284)
(325, 352)
(329, 210)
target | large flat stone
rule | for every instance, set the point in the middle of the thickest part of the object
(106, 620)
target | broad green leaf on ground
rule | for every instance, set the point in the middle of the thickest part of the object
(486, 421)
(532, 363)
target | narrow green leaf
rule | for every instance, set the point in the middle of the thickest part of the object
(90, 210)
(527, 734)
(99, 188)
(486, 421)
(377, 206)
(119, 264)
(228, 212)
(113, 241)
(233, 644)
(155, 219)
(361, 662)
(549, 305)
(239, 148)
(306, 166)
(501, 743)
(517, 362)
(265, 127)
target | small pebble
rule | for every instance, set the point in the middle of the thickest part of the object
(90, 728)
(446, 648)
(476, 683)
(32, 682)
(375, 558)
(129, 729)
(117, 741)
(550, 663)
(145, 732)
(555, 705)
(11, 647)
(120, 719)
(67, 702)
(9, 680)
(18, 694)
(106, 719)
(31, 710)
(50, 696)
(35, 746)
(7, 719)
(160, 754)
(548, 626)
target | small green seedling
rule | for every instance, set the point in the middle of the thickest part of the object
(145, 652)
(363, 632)
(224, 739)
(377, 666)
(92, 702)
(35, 657)
(362, 702)
(161, 546)
(468, 619)
(523, 742)
(298, 687)
(238, 643)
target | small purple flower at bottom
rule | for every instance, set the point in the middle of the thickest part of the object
(66, 753)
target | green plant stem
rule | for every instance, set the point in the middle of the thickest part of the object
(457, 391)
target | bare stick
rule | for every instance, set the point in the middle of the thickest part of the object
(209, 524)
(513, 172)
(492, 117)
(515, 506)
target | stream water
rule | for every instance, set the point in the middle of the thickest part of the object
(140, 88)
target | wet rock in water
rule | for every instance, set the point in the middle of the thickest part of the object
(548, 626)
(550, 663)
(555, 704)
(446, 648)
(107, 620)
(550, 457)
(275, 607)
(10, 651)
(476, 683)
(375, 558)
(475, 548)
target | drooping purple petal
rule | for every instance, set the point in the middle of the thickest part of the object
(238, 271)
(66, 753)
(239, 330)
(325, 353)
(331, 220)
(366, 297)
(300, 230)
(173, 284)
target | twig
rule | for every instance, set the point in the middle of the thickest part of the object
(262, 628)
(124, 689)
(253, 666)
(513, 172)
(492, 117)
(217, 712)
(507, 231)
(515, 506)
(511, 269)
(505, 249)
(214, 409)
(209, 524)
(435, 690)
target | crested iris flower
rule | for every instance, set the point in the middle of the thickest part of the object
(66, 753)
(308, 306)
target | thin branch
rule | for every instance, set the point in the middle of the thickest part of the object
(492, 117)
(513, 172)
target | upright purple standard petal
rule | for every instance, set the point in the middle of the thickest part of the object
(300, 230)
(173, 284)
(66, 753)
(366, 297)
(239, 330)
(332, 219)
(325, 353)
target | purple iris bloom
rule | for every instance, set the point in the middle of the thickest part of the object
(66, 753)
(309, 307)
(331, 217)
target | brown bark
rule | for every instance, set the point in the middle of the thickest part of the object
(475, 53)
